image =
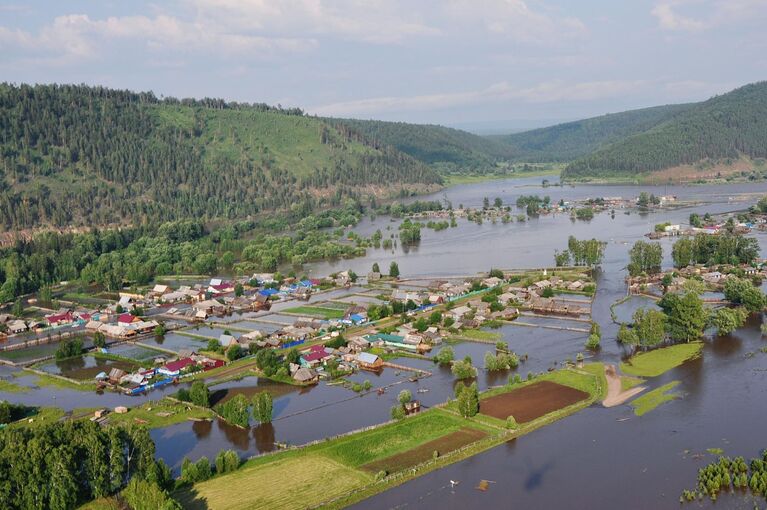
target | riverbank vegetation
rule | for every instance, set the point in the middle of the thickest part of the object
(730, 475)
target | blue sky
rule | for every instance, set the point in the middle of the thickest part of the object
(471, 63)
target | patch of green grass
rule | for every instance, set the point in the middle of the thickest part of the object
(628, 382)
(654, 398)
(360, 449)
(39, 417)
(478, 334)
(10, 387)
(288, 482)
(109, 503)
(152, 414)
(659, 361)
(316, 311)
(715, 451)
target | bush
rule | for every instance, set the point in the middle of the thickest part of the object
(592, 343)
(397, 412)
(70, 348)
(463, 370)
(404, 397)
(235, 411)
(193, 472)
(445, 356)
(234, 352)
(144, 495)
(511, 423)
(199, 394)
(227, 461)
(263, 407)
(367, 385)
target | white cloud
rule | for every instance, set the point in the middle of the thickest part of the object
(669, 19)
(371, 21)
(547, 92)
(516, 20)
(77, 37)
(711, 13)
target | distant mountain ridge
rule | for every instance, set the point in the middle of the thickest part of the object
(571, 140)
(446, 149)
(732, 127)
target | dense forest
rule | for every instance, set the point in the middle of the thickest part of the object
(565, 142)
(114, 258)
(725, 127)
(80, 155)
(445, 148)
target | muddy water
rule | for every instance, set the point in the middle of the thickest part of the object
(589, 460)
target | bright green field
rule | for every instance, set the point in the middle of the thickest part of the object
(654, 363)
(653, 399)
(316, 311)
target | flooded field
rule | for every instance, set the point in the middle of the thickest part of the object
(84, 368)
(582, 461)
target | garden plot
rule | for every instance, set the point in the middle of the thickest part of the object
(530, 402)
(84, 368)
(423, 453)
(135, 352)
(174, 342)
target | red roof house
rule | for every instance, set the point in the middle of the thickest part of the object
(175, 367)
(126, 318)
(61, 318)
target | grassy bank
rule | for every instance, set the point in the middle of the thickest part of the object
(658, 361)
(161, 413)
(341, 471)
(454, 179)
(653, 399)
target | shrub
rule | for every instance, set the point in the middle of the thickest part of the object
(144, 495)
(397, 412)
(404, 397)
(199, 394)
(263, 406)
(227, 461)
(511, 423)
(592, 343)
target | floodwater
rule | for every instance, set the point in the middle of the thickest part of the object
(589, 460)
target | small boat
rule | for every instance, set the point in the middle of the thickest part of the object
(422, 390)
(381, 391)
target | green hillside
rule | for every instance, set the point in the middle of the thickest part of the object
(571, 140)
(446, 149)
(727, 127)
(77, 155)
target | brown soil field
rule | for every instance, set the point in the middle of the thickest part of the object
(531, 402)
(422, 453)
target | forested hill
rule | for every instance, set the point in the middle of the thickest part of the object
(568, 141)
(79, 155)
(729, 126)
(444, 148)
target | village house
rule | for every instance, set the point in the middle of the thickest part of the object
(493, 281)
(17, 326)
(160, 290)
(210, 307)
(174, 368)
(459, 312)
(368, 361)
(60, 319)
(306, 376)
(227, 341)
(358, 344)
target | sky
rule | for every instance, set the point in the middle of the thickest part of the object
(477, 64)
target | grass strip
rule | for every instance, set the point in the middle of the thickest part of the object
(659, 361)
(654, 398)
